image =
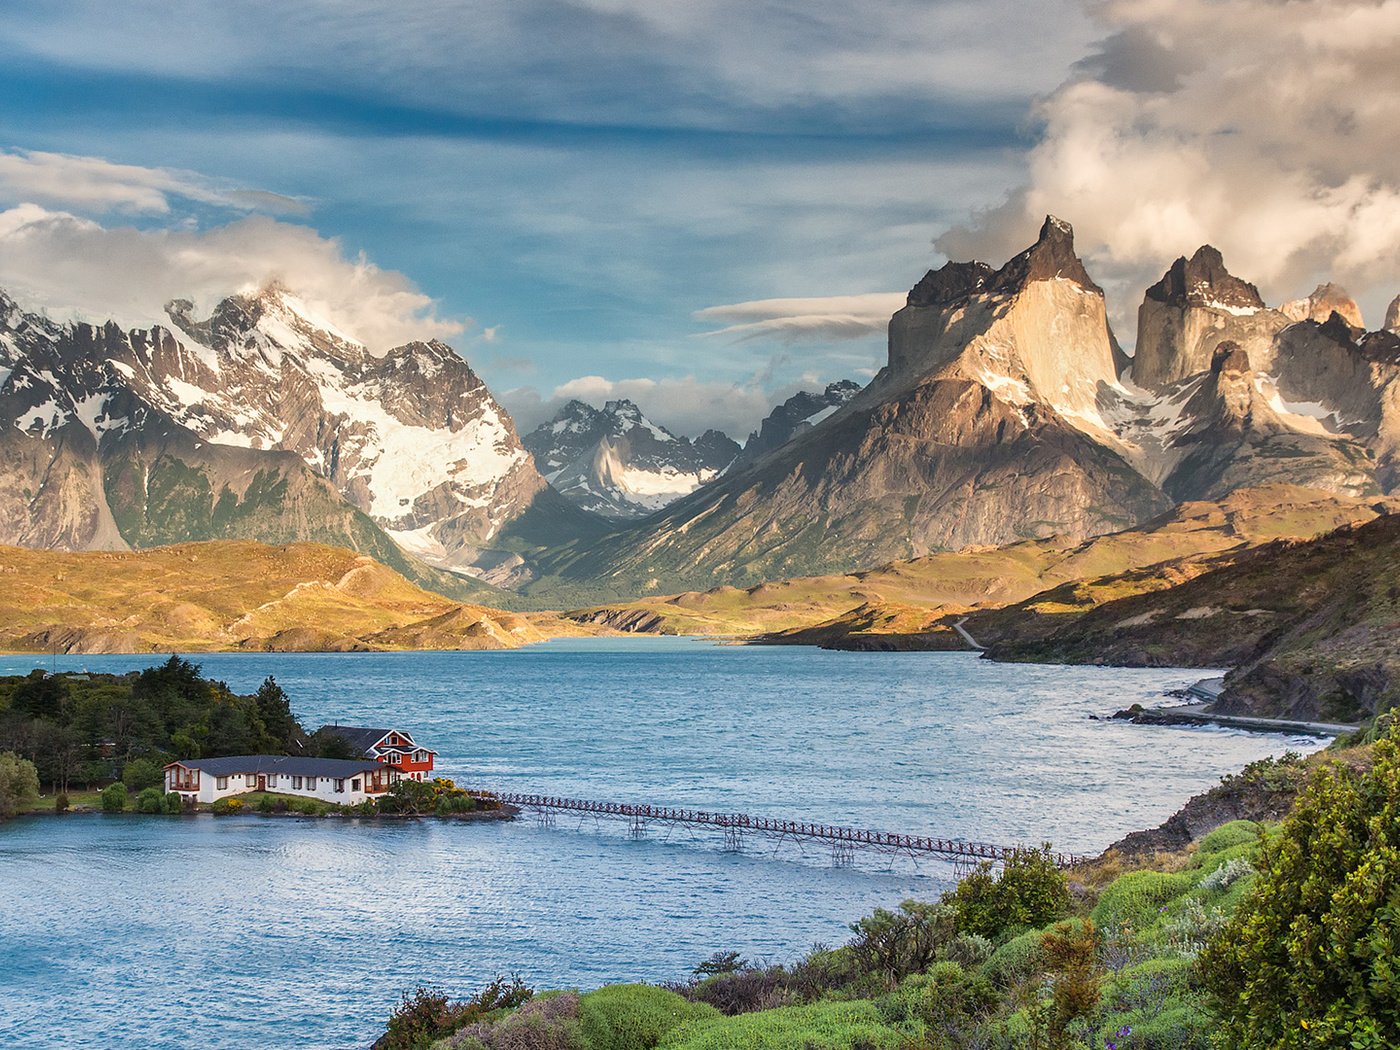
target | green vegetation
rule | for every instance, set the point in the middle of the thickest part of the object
(114, 798)
(1257, 935)
(91, 728)
(19, 784)
(1310, 956)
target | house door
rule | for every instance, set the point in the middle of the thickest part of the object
(262, 782)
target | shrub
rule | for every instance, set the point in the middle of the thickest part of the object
(744, 991)
(1016, 961)
(263, 805)
(895, 944)
(225, 806)
(1309, 956)
(819, 1026)
(150, 800)
(968, 950)
(1175, 1026)
(174, 802)
(1235, 833)
(309, 806)
(635, 1016)
(142, 773)
(1223, 877)
(425, 1015)
(1137, 899)
(1029, 891)
(60, 803)
(114, 798)
(547, 1023)
(19, 784)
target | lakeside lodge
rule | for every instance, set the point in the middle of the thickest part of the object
(340, 781)
(385, 756)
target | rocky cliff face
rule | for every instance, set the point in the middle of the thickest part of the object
(616, 462)
(970, 435)
(794, 416)
(261, 421)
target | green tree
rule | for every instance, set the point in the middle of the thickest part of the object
(1311, 958)
(19, 784)
(142, 773)
(114, 798)
(1029, 892)
(898, 943)
(333, 745)
(275, 710)
(41, 696)
(151, 800)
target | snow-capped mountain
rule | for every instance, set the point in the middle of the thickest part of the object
(412, 438)
(616, 462)
(1008, 411)
(794, 416)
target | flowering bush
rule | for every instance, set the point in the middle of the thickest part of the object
(225, 806)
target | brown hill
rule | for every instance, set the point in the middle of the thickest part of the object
(238, 594)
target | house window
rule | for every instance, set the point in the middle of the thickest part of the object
(355, 784)
(296, 783)
(221, 783)
(250, 779)
(272, 780)
(340, 787)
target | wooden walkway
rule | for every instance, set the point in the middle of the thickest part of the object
(844, 841)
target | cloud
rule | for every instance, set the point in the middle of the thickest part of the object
(684, 405)
(95, 185)
(77, 267)
(1265, 128)
(794, 320)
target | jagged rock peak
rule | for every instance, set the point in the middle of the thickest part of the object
(1392, 315)
(1050, 258)
(949, 283)
(1203, 280)
(1325, 300)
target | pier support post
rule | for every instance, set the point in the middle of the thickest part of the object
(637, 829)
(843, 854)
(733, 840)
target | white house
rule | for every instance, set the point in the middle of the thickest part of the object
(341, 781)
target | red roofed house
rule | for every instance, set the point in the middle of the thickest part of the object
(393, 747)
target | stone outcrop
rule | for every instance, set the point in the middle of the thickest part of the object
(1325, 300)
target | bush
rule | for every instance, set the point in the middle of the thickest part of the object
(1137, 899)
(114, 798)
(1309, 956)
(635, 1016)
(425, 1016)
(309, 807)
(142, 773)
(60, 803)
(1016, 961)
(968, 950)
(1175, 1026)
(1227, 836)
(547, 1023)
(895, 944)
(263, 804)
(150, 801)
(1223, 877)
(225, 806)
(820, 1026)
(1029, 891)
(174, 802)
(19, 784)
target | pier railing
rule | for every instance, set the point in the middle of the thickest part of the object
(843, 840)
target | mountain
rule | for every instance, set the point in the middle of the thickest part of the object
(237, 594)
(1309, 627)
(616, 462)
(262, 421)
(969, 435)
(794, 416)
(890, 606)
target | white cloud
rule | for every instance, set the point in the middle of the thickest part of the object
(792, 320)
(74, 266)
(1267, 129)
(92, 184)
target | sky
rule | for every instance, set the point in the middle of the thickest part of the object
(703, 205)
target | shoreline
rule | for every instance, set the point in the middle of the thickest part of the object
(1201, 714)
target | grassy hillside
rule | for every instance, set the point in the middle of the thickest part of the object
(238, 594)
(1311, 628)
(911, 597)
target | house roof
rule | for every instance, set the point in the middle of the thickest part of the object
(290, 765)
(360, 738)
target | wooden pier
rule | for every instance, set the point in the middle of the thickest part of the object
(844, 842)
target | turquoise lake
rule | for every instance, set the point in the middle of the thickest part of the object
(249, 932)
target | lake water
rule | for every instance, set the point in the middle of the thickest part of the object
(247, 932)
